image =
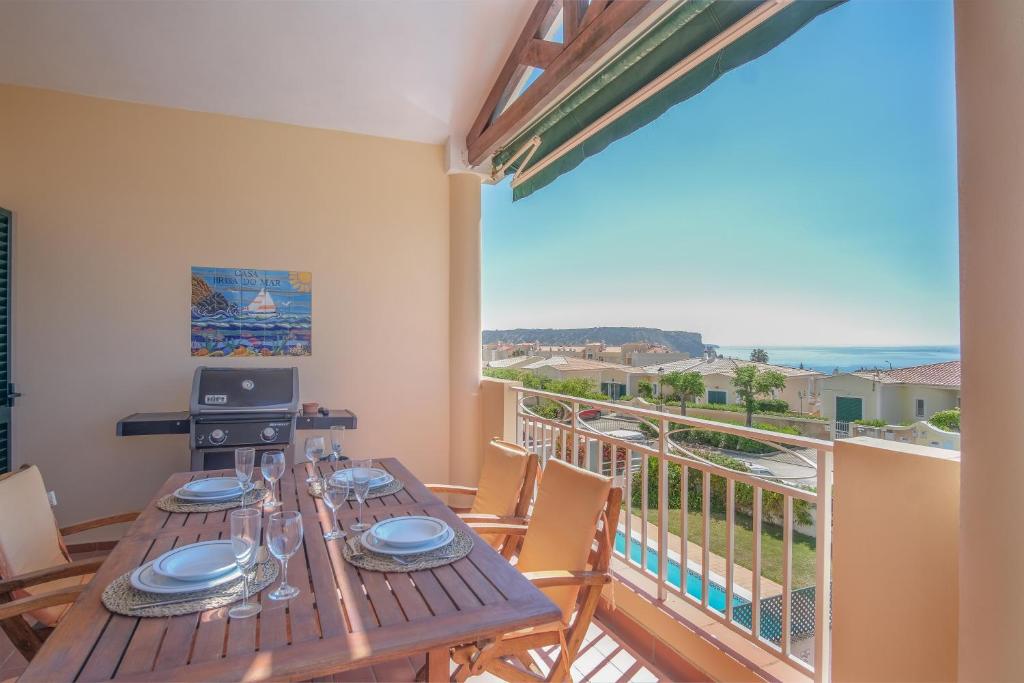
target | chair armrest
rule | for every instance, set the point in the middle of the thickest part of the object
(452, 488)
(97, 523)
(481, 518)
(63, 571)
(18, 607)
(550, 579)
(504, 529)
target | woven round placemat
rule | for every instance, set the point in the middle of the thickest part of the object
(316, 488)
(355, 554)
(171, 503)
(121, 597)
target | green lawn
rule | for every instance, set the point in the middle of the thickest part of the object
(771, 544)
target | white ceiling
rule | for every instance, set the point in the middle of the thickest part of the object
(409, 69)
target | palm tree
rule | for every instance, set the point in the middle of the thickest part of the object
(687, 385)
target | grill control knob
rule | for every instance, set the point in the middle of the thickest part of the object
(218, 436)
(268, 434)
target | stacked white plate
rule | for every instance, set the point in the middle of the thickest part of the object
(212, 490)
(407, 535)
(378, 477)
(188, 568)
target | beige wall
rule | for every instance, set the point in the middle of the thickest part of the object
(115, 202)
(464, 328)
(990, 137)
(894, 562)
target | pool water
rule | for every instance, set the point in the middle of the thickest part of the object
(694, 584)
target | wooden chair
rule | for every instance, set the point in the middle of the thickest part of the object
(504, 491)
(566, 552)
(38, 578)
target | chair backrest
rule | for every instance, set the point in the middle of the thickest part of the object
(565, 524)
(29, 536)
(506, 480)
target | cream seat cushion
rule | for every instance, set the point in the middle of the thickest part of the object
(563, 526)
(501, 479)
(30, 539)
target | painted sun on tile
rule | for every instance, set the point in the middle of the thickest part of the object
(242, 312)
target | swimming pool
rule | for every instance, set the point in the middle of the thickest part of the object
(694, 584)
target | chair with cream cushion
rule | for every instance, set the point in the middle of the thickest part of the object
(505, 487)
(38, 578)
(566, 552)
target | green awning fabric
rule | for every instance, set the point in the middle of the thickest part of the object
(682, 32)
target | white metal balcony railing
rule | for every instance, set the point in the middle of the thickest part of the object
(607, 436)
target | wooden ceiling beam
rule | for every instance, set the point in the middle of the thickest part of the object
(572, 16)
(540, 53)
(540, 20)
(607, 27)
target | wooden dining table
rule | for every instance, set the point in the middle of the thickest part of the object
(344, 620)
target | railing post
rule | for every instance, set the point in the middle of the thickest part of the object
(755, 570)
(663, 511)
(787, 576)
(823, 571)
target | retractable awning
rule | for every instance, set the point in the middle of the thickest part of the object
(679, 57)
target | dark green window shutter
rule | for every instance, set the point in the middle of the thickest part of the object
(716, 396)
(849, 409)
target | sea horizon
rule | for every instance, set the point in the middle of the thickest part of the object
(828, 359)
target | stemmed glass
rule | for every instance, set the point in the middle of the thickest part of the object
(245, 543)
(272, 466)
(361, 476)
(245, 460)
(284, 536)
(335, 493)
(337, 431)
(314, 451)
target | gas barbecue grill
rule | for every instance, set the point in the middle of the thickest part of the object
(235, 407)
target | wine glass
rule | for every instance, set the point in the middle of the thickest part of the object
(335, 493)
(337, 431)
(314, 451)
(245, 460)
(284, 536)
(272, 466)
(245, 543)
(361, 476)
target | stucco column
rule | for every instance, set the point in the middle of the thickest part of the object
(990, 129)
(464, 327)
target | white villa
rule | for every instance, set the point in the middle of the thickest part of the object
(896, 396)
(801, 392)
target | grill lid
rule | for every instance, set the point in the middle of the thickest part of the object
(236, 390)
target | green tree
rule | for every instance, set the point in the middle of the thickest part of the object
(752, 383)
(759, 356)
(645, 389)
(687, 386)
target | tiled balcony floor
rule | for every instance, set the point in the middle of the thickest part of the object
(603, 658)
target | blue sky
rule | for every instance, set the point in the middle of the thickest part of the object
(806, 198)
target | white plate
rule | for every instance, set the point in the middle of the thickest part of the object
(409, 531)
(197, 561)
(214, 486)
(370, 542)
(378, 477)
(193, 498)
(147, 580)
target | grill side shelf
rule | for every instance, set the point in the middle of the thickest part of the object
(337, 418)
(148, 424)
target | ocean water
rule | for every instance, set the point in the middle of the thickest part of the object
(846, 358)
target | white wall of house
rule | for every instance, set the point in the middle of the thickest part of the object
(855, 387)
